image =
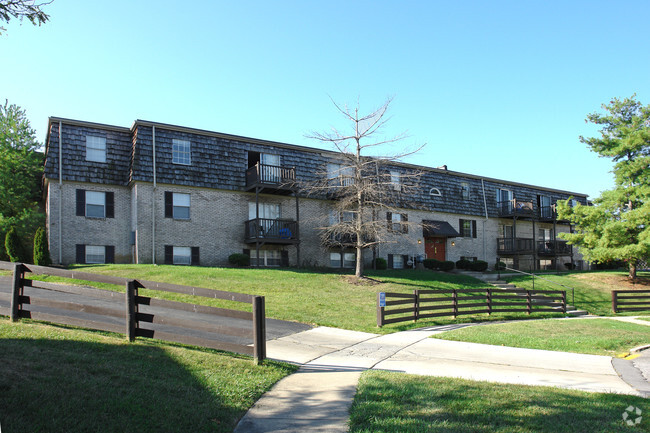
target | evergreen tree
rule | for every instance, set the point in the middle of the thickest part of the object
(41, 251)
(617, 227)
(12, 245)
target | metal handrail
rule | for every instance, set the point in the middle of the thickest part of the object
(545, 279)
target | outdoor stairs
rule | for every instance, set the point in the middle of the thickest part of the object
(570, 309)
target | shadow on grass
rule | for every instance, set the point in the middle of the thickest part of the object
(68, 385)
(390, 402)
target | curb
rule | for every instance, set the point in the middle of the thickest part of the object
(631, 375)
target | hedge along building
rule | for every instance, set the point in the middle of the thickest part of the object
(159, 193)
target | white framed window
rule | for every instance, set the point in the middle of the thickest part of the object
(545, 234)
(95, 254)
(398, 261)
(335, 260)
(339, 175)
(395, 180)
(181, 152)
(267, 258)
(464, 190)
(266, 210)
(435, 192)
(95, 204)
(349, 260)
(95, 148)
(181, 206)
(506, 231)
(397, 222)
(182, 255)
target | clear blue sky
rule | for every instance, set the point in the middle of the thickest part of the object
(494, 88)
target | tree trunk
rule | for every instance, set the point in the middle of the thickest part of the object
(359, 270)
(632, 270)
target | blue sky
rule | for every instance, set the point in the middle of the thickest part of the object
(494, 88)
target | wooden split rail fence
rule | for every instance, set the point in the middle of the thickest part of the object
(422, 304)
(121, 312)
(630, 300)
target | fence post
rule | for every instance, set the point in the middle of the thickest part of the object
(416, 306)
(529, 302)
(564, 301)
(614, 301)
(454, 298)
(17, 291)
(380, 311)
(489, 301)
(259, 329)
(131, 309)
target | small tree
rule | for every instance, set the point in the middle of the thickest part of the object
(41, 251)
(617, 227)
(363, 187)
(12, 245)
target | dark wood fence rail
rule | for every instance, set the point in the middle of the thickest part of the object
(122, 312)
(423, 304)
(630, 300)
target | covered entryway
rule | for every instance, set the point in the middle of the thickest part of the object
(435, 235)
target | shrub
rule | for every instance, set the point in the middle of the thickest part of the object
(479, 266)
(380, 263)
(41, 252)
(239, 259)
(463, 264)
(431, 263)
(500, 266)
(570, 266)
(447, 265)
(12, 245)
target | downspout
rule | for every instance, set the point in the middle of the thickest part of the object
(60, 194)
(153, 199)
(484, 221)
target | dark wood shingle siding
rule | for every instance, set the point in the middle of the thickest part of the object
(115, 171)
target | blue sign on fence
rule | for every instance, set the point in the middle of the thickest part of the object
(382, 299)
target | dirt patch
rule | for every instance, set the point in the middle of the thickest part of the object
(616, 281)
(363, 281)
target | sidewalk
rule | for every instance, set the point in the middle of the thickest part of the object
(317, 398)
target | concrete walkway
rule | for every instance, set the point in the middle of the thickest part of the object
(317, 398)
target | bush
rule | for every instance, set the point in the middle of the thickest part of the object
(239, 259)
(380, 263)
(570, 266)
(500, 266)
(479, 266)
(41, 252)
(431, 263)
(463, 264)
(13, 246)
(447, 265)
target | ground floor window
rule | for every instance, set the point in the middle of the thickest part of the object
(182, 256)
(509, 261)
(398, 261)
(545, 264)
(267, 257)
(471, 259)
(343, 260)
(95, 254)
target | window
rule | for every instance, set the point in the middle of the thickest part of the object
(506, 231)
(397, 222)
(95, 204)
(398, 261)
(464, 190)
(395, 180)
(471, 259)
(181, 152)
(181, 206)
(435, 192)
(266, 210)
(95, 254)
(573, 202)
(504, 200)
(345, 260)
(339, 175)
(544, 205)
(182, 255)
(95, 148)
(467, 228)
(335, 260)
(267, 257)
(545, 234)
(337, 217)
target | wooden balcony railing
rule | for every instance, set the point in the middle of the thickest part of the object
(515, 207)
(554, 248)
(271, 175)
(271, 230)
(546, 212)
(515, 245)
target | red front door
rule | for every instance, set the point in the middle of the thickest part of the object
(434, 248)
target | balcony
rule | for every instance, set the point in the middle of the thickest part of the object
(516, 208)
(271, 178)
(506, 246)
(546, 213)
(271, 231)
(554, 248)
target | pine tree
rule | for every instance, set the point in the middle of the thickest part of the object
(13, 246)
(41, 251)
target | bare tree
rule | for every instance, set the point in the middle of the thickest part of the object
(362, 187)
(21, 9)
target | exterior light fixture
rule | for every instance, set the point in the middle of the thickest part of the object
(453, 244)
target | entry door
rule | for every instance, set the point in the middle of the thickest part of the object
(435, 248)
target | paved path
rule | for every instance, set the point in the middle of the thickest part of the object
(317, 398)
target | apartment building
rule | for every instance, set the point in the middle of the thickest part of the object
(159, 193)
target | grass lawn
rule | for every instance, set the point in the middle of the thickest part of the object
(321, 298)
(593, 336)
(400, 403)
(60, 379)
(593, 290)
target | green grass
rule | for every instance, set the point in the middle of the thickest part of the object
(593, 290)
(593, 336)
(60, 379)
(400, 403)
